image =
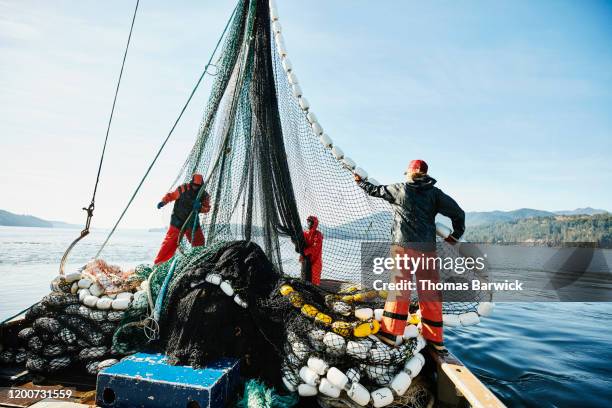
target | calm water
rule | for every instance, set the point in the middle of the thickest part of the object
(536, 355)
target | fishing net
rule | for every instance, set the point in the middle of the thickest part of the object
(268, 165)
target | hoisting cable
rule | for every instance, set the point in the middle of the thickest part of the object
(161, 148)
(90, 208)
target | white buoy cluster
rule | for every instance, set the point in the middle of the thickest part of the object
(317, 376)
(73, 325)
(484, 309)
(317, 128)
(92, 295)
(225, 286)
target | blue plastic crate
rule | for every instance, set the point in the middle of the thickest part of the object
(147, 380)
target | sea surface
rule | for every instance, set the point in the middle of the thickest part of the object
(547, 354)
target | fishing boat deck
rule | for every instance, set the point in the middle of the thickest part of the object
(455, 386)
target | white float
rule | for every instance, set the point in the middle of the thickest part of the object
(213, 278)
(359, 394)
(276, 27)
(421, 343)
(381, 397)
(373, 181)
(280, 46)
(349, 163)
(124, 295)
(226, 287)
(334, 341)
(338, 153)
(72, 277)
(287, 65)
(485, 308)
(364, 313)
(357, 349)
(318, 365)
(85, 283)
(312, 118)
(293, 79)
(273, 11)
(304, 105)
(104, 303)
(451, 320)
(469, 319)
(380, 355)
(337, 377)
(326, 140)
(96, 289)
(361, 172)
(243, 304)
(83, 293)
(300, 349)
(74, 288)
(120, 304)
(296, 90)
(378, 314)
(309, 376)
(414, 365)
(327, 388)
(400, 383)
(307, 390)
(317, 128)
(353, 375)
(411, 331)
(90, 301)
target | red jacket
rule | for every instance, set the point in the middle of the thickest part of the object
(314, 242)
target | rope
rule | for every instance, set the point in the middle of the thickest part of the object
(8, 319)
(161, 148)
(90, 208)
(110, 118)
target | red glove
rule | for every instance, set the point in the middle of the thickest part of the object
(451, 240)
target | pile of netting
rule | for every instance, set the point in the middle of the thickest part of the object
(228, 300)
(73, 326)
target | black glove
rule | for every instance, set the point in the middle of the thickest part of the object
(160, 204)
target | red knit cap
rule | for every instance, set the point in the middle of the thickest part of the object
(417, 166)
(197, 178)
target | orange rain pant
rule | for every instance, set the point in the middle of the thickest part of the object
(430, 301)
(170, 243)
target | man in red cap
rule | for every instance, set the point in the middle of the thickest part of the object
(415, 205)
(186, 206)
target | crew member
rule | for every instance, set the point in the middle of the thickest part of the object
(415, 204)
(314, 249)
(186, 206)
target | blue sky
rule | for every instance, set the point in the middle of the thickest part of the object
(510, 102)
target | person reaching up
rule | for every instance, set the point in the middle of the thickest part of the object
(415, 204)
(186, 206)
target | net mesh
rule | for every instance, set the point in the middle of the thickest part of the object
(266, 168)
